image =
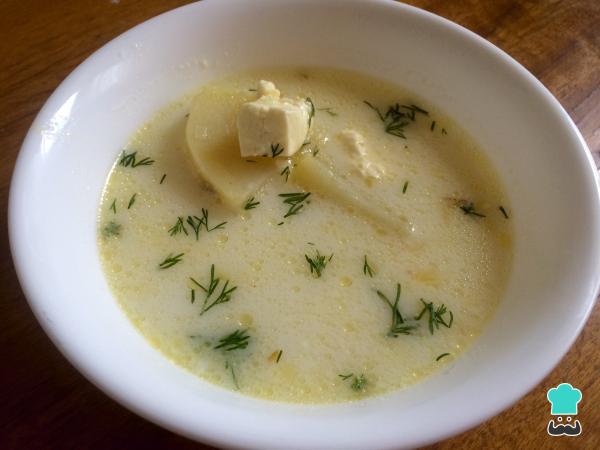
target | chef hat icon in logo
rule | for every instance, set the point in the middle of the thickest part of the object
(564, 399)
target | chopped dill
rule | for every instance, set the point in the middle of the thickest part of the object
(397, 117)
(279, 356)
(444, 131)
(295, 200)
(318, 263)
(179, 227)
(405, 187)
(251, 204)
(286, 172)
(131, 201)
(311, 113)
(329, 111)
(251, 161)
(233, 341)
(128, 160)
(111, 229)
(315, 152)
(223, 297)
(280, 223)
(197, 223)
(435, 316)
(113, 206)
(367, 269)
(359, 383)
(469, 209)
(229, 365)
(442, 356)
(276, 150)
(252, 89)
(503, 211)
(398, 326)
(162, 178)
(432, 127)
(170, 261)
(193, 296)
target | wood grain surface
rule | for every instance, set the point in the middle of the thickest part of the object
(45, 403)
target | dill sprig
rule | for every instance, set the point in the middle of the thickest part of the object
(318, 263)
(162, 178)
(469, 209)
(432, 127)
(179, 227)
(405, 187)
(223, 297)
(397, 117)
(367, 269)
(197, 223)
(113, 206)
(278, 356)
(171, 260)
(435, 316)
(443, 355)
(128, 160)
(311, 113)
(234, 341)
(229, 365)
(398, 326)
(111, 229)
(251, 204)
(295, 200)
(503, 211)
(276, 150)
(329, 111)
(131, 201)
(286, 172)
(358, 383)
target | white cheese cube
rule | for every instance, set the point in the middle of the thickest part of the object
(272, 126)
(357, 147)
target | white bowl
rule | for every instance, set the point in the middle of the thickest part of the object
(536, 148)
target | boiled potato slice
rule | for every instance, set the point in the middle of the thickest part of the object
(212, 139)
(332, 177)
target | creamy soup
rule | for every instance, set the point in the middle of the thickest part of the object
(368, 260)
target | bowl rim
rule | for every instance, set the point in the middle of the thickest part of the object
(108, 387)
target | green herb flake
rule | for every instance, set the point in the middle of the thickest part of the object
(329, 111)
(238, 340)
(179, 227)
(278, 356)
(318, 263)
(171, 260)
(131, 201)
(295, 200)
(222, 297)
(359, 383)
(113, 206)
(162, 179)
(405, 187)
(367, 269)
(129, 160)
(443, 355)
(251, 204)
(435, 316)
(286, 172)
(397, 117)
(503, 211)
(276, 150)
(469, 209)
(111, 229)
(399, 325)
(432, 127)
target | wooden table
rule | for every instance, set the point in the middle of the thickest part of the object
(45, 403)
